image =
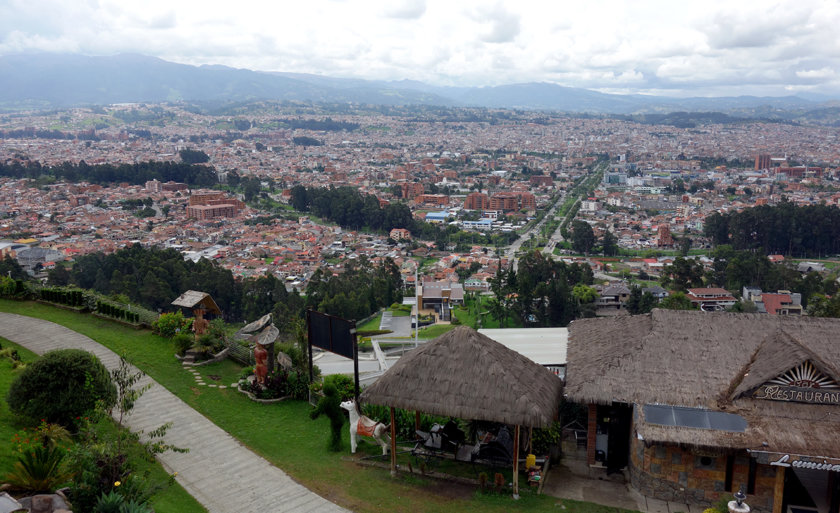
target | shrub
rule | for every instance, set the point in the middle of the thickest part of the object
(40, 469)
(109, 503)
(545, 439)
(169, 324)
(183, 343)
(344, 384)
(61, 386)
(8, 286)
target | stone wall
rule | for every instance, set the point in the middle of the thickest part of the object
(672, 473)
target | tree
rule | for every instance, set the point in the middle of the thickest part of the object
(683, 274)
(189, 156)
(609, 244)
(61, 386)
(639, 302)
(583, 238)
(676, 301)
(58, 276)
(685, 245)
(584, 293)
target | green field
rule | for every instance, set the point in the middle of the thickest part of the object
(284, 434)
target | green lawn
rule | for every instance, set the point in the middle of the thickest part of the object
(9, 423)
(371, 325)
(171, 499)
(284, 434)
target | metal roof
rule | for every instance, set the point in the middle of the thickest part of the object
(545, 346)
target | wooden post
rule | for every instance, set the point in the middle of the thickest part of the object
(393, 443)
(417, 420)
(516, 462)
(779, 490)
(530, 440)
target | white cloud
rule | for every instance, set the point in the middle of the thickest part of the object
(728, 47)
(406, 9)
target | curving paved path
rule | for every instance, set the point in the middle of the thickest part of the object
(221, 473)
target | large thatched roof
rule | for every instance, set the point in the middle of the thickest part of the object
(712, 361)
(465, 374)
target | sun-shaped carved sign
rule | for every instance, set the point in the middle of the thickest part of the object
(804, 375)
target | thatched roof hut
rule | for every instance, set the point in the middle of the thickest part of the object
(715, 362)
(465, 374)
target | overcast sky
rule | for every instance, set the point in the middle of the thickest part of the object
(680, 48)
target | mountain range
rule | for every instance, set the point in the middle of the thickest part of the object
(64, 80)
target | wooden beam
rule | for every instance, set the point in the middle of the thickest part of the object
(779, 490)
(516, 462)
(393, 444)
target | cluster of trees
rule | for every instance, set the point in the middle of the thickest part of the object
(785, 228)
(154, 277)
(194, 175)
(732, 270)
(350, 209)
(540, 292)
(33, 133)
(303, 140)
(357, 292)
(189, 156)
(326, 125)
(584, 240)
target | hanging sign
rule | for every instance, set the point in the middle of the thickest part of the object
(796, 461)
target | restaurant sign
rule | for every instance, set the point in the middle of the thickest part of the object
(796, 461)
(798, 394)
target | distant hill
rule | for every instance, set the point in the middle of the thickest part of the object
(62, 80)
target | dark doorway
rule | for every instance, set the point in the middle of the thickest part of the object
(618, 443)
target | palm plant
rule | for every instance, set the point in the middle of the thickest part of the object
(40, 469)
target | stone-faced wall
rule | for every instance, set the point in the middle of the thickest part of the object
(672, 473)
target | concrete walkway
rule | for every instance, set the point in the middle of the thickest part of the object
(219, 472)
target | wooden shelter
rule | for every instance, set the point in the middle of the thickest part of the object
(694, 404)
(194, 300)
(465, 374)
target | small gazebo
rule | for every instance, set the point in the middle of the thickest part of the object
(201, 305)
(465, 374)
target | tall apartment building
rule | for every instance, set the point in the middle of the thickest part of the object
(477, 201)
(212, 204)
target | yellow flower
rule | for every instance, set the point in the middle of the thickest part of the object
(175, 474)
(117, 483)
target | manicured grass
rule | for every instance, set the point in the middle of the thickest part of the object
(436, 330)
(372, 324)
(10, 423)
(173, 498)
(284, 434)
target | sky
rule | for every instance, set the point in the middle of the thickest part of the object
(672, 48)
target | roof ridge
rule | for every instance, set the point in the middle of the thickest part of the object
(767, 363)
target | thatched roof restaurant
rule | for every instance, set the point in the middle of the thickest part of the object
(693, 404)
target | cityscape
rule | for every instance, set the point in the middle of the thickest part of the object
(538, 258)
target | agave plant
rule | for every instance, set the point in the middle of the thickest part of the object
(39, 470)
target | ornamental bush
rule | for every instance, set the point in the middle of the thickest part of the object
(61, 386)
(169, 324)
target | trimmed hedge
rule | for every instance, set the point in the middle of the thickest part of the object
(61, 386)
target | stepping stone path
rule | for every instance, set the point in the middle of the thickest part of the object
(200, 380)
(218, 471)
